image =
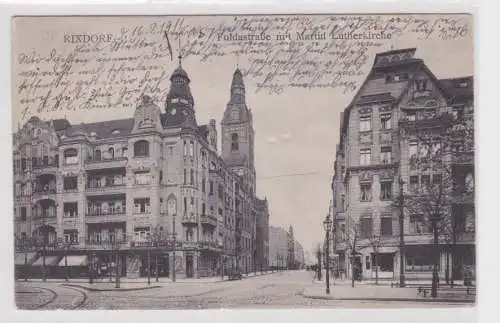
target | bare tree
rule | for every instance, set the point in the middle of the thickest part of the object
(352, 240)
(428, 201)
(376, 243)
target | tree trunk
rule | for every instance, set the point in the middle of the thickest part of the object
(447, 273)
(435, 275)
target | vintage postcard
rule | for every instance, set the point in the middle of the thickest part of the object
(248, 161)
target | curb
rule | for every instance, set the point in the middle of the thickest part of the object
(121, 289)
(418, 300)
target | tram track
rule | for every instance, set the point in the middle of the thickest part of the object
(58, 301)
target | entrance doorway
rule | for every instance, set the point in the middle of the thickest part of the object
(189, 266)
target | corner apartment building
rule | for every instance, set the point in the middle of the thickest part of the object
(379, 140)
(148, 187)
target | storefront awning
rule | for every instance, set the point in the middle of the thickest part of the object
(74, 260)
(388, 249)
(22, 257)
(49, 261)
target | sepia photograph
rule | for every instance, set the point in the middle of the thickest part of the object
(243, 161)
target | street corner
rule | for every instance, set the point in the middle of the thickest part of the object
(109, 287)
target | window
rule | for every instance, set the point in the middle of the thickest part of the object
(365, 156)
(424, 150)
(191, 177)
(141, 148)
(365, 123)
(367, 261)
(70, 210)
(366, 192)
(234, 141)
(111, 153)
(414, 184)
(203, 208)
(411, 116)
(386, 155)
(412, 150)
(71, 156)
(141, 234)
(97, 154)
(143, 178)
(385, 121)
(435, 149)
(191, 148)
(23, 214)
(210, 187)
(185, 177)
(142, 205)
(365, 227)
(70, 236)
(386, 226)
(385, 190)
(469, 182)
(203, 182)
(161, 177)
(421, 85)
(124, 152)
(417, 225)
(70, 183)
(437, 180)
(425, 182)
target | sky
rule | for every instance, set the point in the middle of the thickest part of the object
(296, 131)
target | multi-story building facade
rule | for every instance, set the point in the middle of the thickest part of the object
(299, 255)
(151, 186)
(375, 161)
(278, 247)
(262, 235)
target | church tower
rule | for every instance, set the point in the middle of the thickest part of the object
(238, 134)
(179, 105)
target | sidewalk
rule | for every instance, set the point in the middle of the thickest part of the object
(138, 283)
(370, 292)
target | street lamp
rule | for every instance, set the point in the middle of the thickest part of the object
(172, 210)
(327, 224)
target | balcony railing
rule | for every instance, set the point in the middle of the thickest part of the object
(209, 220)
(110, 215)
(190, 218)
(105, 163)
(115, 188)
(44, 193)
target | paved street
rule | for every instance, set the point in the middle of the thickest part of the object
(278, 290)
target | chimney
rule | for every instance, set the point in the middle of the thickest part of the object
(212, 134)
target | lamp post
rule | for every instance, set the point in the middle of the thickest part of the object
(66, 247)
(117, 265)
(327, 224)
(172, 210)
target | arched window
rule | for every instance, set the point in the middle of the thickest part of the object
(97, 154)
(71, 156)
(111, 153)
(141, 148)
(191, 148)
(234, 141)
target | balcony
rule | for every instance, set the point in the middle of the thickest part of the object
(208, 220)
(210, 246)
(113, 216)
(365, 137)
(47, 219)
(45, 194)
(107, 189)
(189, 219)
(385, 136)
(463, 159)
(190, 245)
(116, 162)
(45, 168)
(340, 216)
